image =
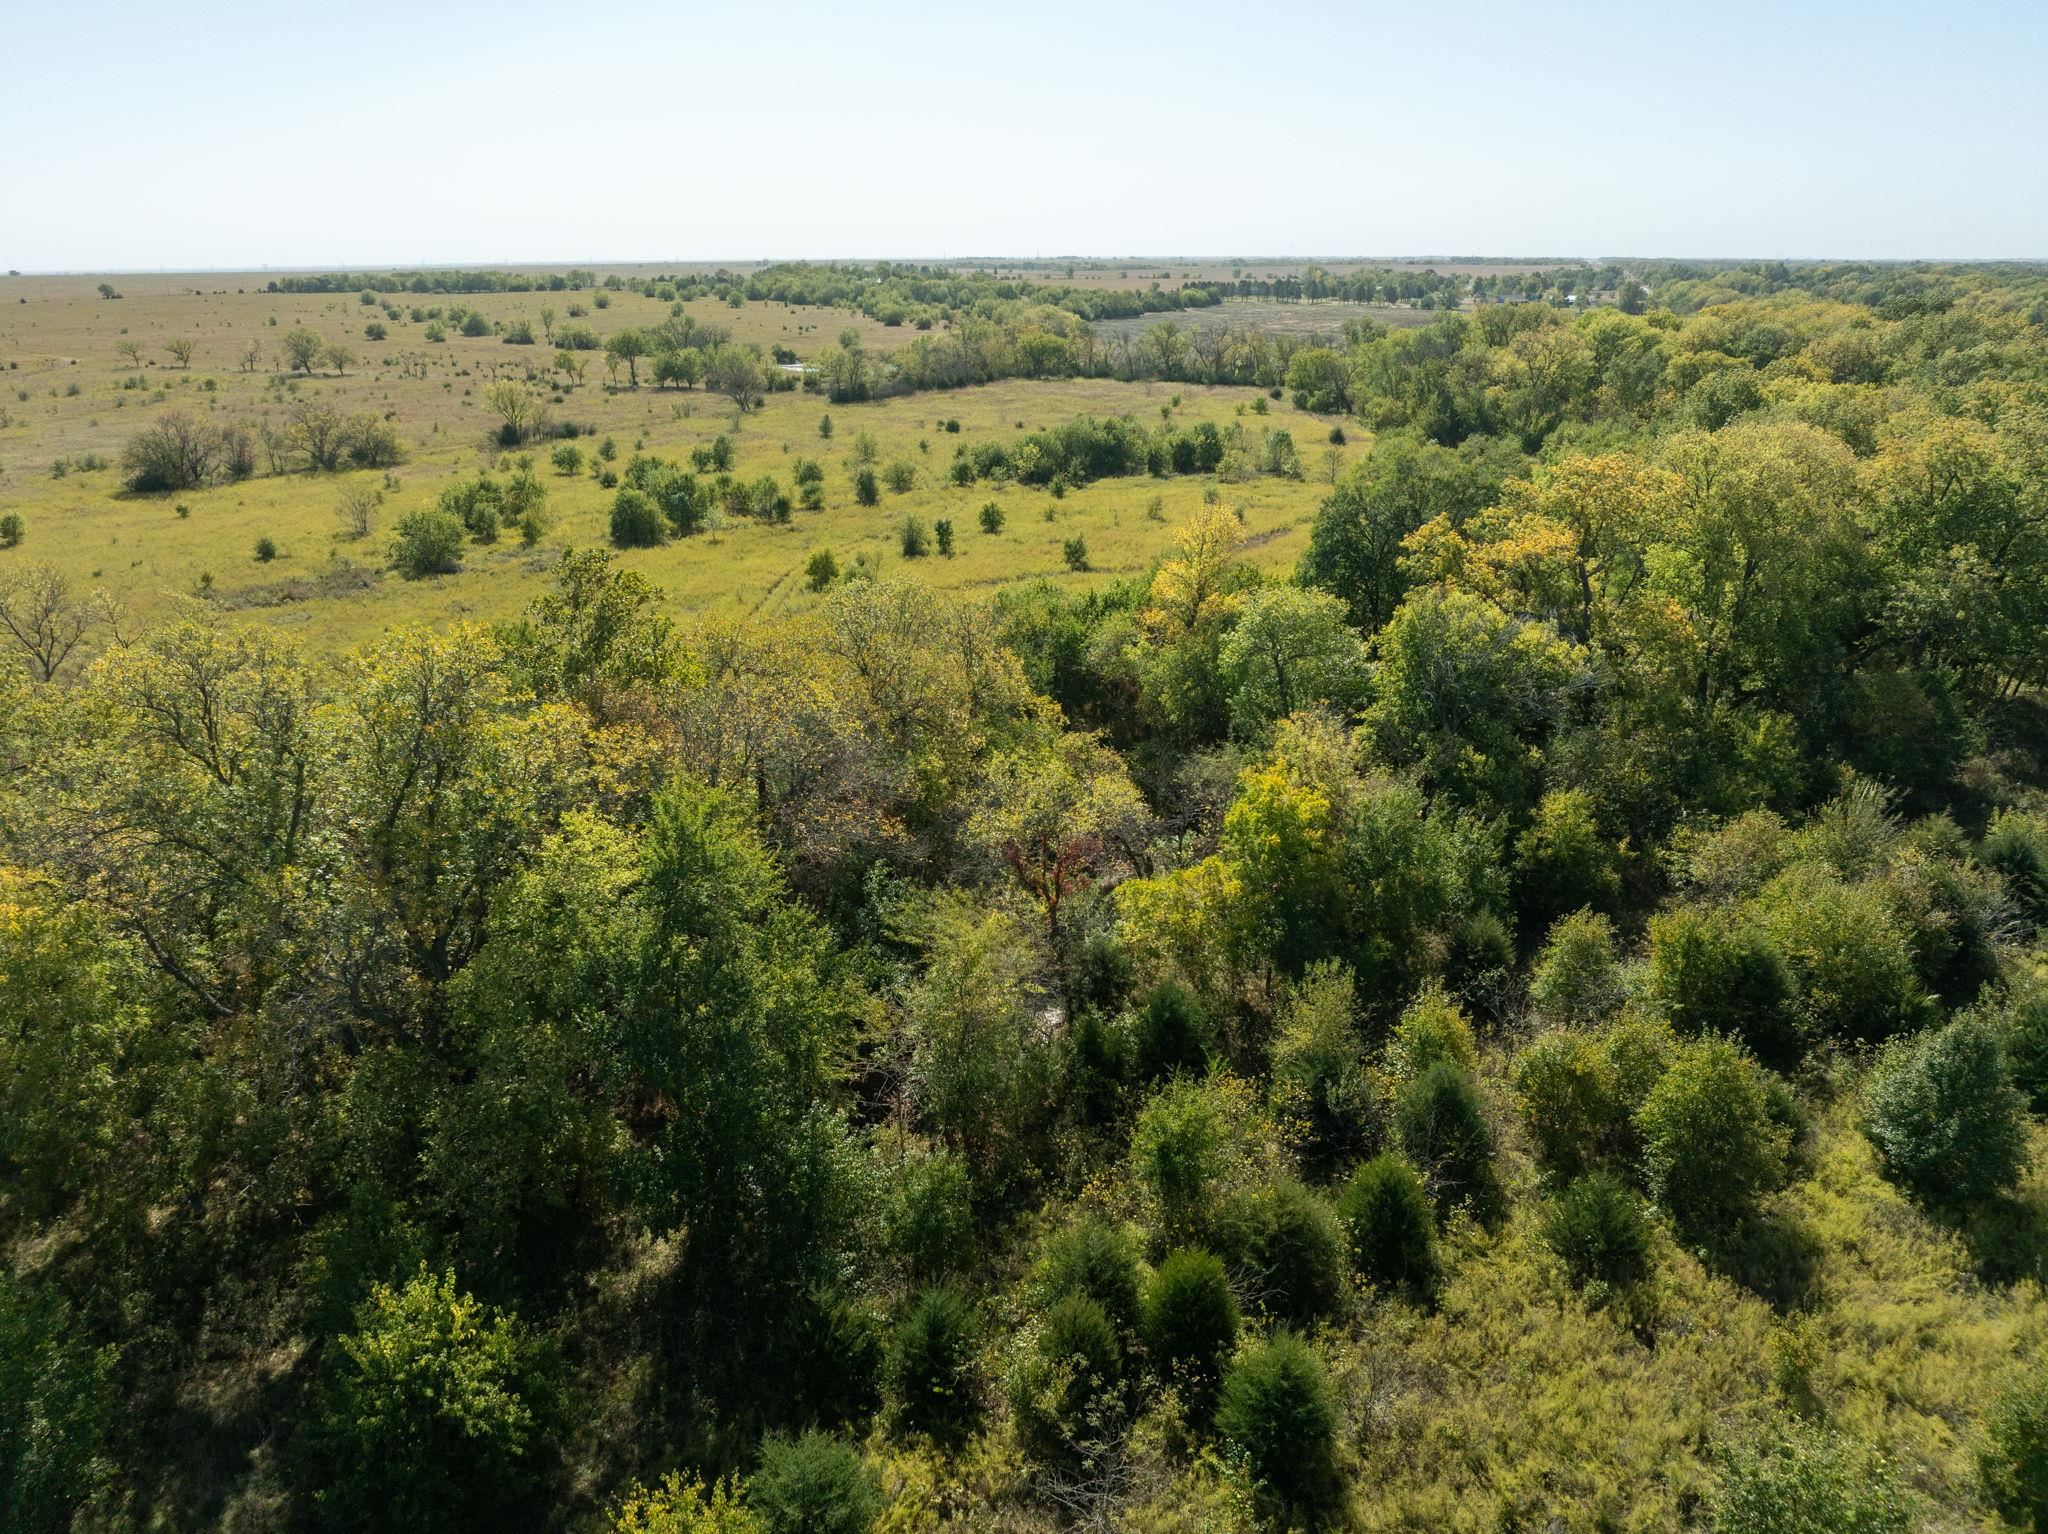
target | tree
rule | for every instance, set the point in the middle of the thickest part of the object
(176, 451)
(1389, 1225)
(61, 1403)
(1944, 1113)
(131, 350)
(1711, 1144)
(628, 347)
(339, 356)
(357, 511)
(1189, 1321)
(45, 619)
(518, 408)
(1597, 1229)
(637, 521)
(435, 1411)
(180, 349)
(1288, 650)
(428, 542)
(735, 373)
(1279, 1411)
(302, 348)
(929, 1371)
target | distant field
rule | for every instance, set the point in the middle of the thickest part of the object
(66, 397)
(1325, 317)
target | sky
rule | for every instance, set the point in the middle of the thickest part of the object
(222, 135)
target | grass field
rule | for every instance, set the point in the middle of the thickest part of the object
(71, 396)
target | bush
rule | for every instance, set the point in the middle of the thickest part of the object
(1091, 1258)
(60, 1402)
(1944, 1114)
(1386, 1217)
(1066, 1390)
(567, 459)
(928, 1373)
(1075, 552)
(1286, 1249)
(1571, 1102)
(11, 529)
(430, 1414)
(1852, 966)
(266, 549)
(375, 331)
(428, 542)
(867, 490)
(1562, 863)
(678, 1506)
(1171, 1033)
(942, 532)
(2024, 1019)
(1712, 972)
(915, 541)
(637, 521)
(900, 477)
(1279, 1411)
(1443, 1129)
(1179, 1148)
(1577, 978)
(176, 452)
(1189, 1322)
(1599, 1231)
(1710, 1143)
(2016, 845)
(1431, 1030)
(991, 518)
(928, 1214)
(2012, 1460)
(816, 1484)
(1806, 1481)
(822, 570)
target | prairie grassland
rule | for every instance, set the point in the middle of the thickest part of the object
(71, 396)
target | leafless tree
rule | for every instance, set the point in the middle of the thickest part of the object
(252, 356)
(358, 511)
(180, 350)
(132, 350)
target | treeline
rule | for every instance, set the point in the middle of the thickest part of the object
(435, 281)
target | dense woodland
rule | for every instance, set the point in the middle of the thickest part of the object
(1538, 1021)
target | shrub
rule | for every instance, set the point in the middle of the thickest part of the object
(1075, 552)
(1851, 964)
(637, 521)
(1443, 1130)
(1598, 1229)
(867, 490)
(1066, 1390)
(2012, 1460)
(567, 459)
(1577, 978)
(1091, 1258)
(1279, 1410)
(942, 532)
(822, 570)
(678, 1506)
(1171, 1033)
(1710, 1143)
(266, 549)
(816, 1484)
(1431, 1030)
(2016, 845)
(1387, 1220)
(1712, 972)
(474, 324)
(1562, 863)
(900, 477)
(991, 518)
(175, 452)
(928, 1373)
(1286, 1249)
(1189, 1322)
(2024, 1017)
(60, 1402)
(375, 331)
(11, 530)
(928, 1214)
(1323, 1091)
(1179, 1148)
(430, 1414)
(428, 542)
(1945, 1115)
(1571, 1102)
(1806, 1481)
(913, 538)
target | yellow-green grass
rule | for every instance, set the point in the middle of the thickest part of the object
(86, 526)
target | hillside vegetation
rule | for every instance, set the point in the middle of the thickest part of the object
(1424, 926)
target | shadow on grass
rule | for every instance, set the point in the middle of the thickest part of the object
(2006, 1237)
(1771, 1255)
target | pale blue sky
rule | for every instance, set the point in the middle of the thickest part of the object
(227, 134)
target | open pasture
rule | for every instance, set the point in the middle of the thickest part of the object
(75, 393)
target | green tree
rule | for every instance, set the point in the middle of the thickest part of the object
(1279, 1410)
(1944, 1113)
(1388, 1220)
(1711, 1143)
(1289, 649)
(814, 1484)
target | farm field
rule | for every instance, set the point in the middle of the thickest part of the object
(82, 402)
